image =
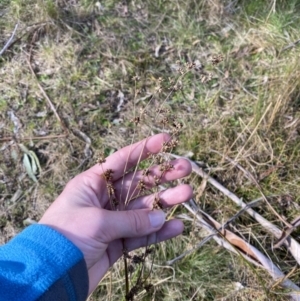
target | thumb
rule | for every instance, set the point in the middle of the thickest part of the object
(132, 223)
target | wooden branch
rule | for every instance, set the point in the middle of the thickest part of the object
(4, 139)
(47, 98)
(9, 41)
(291, 244)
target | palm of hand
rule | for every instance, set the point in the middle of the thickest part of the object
(82, 211)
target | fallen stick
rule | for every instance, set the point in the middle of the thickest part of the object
(237, 245)
(4, 139)
(47, 98)
(9, 41)
(290, 243)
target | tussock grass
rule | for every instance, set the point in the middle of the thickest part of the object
(84, 54)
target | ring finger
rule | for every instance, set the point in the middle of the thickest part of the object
(165, 198)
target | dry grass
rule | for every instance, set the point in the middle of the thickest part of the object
(85, 56)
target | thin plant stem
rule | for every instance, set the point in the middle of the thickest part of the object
(126, 270)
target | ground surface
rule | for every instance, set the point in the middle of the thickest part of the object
(81, 57)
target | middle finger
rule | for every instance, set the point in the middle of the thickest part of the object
(137, 183)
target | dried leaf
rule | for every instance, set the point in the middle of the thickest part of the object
(36, 167)
(31, 163)
(28, 167)
(28, 221)
(232, 238)
(16, 196)
(157, 49)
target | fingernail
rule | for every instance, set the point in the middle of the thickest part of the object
(157, 218)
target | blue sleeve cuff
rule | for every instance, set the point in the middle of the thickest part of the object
(36, 260)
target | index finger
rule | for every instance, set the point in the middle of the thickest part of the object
(129, 156)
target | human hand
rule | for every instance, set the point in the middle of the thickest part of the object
(83, 214)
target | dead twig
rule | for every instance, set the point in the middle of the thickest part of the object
(195, 248)
(25, 31)
(9, 41)
(291, 45)
(47, 98)
(5, 139)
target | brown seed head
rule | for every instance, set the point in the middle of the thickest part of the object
(165, 121)
(216, 59)
(143, 112)
(131, 268)
(158, 89)
(177, 87)
(126, 253)
(148, 287)
(156, 203)
(205, 77)
(166, 166)
(156, 180)
(169, 145)
(135, 78)
(133, 291)
(107, 175)
(162, 111)
(114, 202)
(136, 259)
(101, 159)
(146, 172)
(171, 80)
(176, 127)
(110, 189)
(136, 120)
(149, 250)
(142, 186)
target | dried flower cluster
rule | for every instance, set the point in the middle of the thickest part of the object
(108, 177)
(157, 203)
(137, 263)
(101, 159)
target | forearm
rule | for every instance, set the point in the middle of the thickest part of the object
(41, 264)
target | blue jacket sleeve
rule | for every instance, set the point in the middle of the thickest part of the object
(41, 264)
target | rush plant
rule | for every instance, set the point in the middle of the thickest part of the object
(154, 115)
